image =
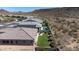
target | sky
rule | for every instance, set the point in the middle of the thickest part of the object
(24, 9)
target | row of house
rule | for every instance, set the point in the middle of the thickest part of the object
(21, 32)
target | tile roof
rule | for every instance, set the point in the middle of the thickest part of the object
(18, 33)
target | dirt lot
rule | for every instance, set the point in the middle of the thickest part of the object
(16, 48)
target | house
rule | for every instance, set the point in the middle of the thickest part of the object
(18, 36)
(33, 20)
(33, 23)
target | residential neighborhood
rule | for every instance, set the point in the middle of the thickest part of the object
(22, 33)
(41, 29)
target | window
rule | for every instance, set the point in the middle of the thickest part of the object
(11, 41)
(7, 41)
(16, 42)
(3, 41)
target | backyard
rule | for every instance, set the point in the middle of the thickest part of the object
(43, 41)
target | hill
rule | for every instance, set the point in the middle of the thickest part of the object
(64, 25)
(59, 12)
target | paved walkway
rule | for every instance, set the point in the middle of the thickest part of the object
(16, 48)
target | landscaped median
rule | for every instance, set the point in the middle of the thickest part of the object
(43, 41)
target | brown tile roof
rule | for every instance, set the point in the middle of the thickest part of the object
(18, 33)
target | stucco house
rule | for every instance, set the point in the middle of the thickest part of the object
(17, 36)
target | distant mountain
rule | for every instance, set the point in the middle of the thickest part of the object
(5, 12)
(2, 11)
(59, 12)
